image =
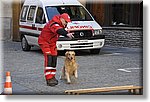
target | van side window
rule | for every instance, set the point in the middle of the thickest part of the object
(31, 13)
(24, 13)
(40, 17)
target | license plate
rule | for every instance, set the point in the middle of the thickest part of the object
(82, 41)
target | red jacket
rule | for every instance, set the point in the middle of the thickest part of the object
(49, 34)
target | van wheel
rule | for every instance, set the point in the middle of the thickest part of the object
(95, 51)
(24, 44)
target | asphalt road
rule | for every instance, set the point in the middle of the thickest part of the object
(114, 66)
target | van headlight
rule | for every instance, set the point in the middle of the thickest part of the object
(97, 32)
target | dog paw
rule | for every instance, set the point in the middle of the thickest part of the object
(68, 82)
(76, 77)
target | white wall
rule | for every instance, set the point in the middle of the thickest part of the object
(6, 5)
(6, 19)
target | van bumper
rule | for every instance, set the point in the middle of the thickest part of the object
(80, 44)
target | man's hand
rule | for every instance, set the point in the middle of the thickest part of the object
(70, 35)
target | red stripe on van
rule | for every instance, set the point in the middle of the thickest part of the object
(32, 28)
(28, 27)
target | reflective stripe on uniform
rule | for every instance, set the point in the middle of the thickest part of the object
(47, 73)
(49, 52)
(50, 68)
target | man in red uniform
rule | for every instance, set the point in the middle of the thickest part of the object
(47, 42)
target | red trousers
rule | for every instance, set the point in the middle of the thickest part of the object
(50, 60)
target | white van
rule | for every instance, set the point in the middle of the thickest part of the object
(36, 13)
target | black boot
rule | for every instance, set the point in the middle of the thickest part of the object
(52, 82)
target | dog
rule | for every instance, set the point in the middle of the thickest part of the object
(70, 67)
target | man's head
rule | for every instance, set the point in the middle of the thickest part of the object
(64, 18)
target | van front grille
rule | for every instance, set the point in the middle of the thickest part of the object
(81, 45)
(82, 34)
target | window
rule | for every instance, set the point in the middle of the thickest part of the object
(117, 12)
(127, 14)
(24, 13)
(31, 13)
(76, 13)
(40, 17)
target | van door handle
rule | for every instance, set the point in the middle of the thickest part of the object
(33, 25)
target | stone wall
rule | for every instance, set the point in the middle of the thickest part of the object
(123, 37)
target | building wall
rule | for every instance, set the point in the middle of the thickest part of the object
(6, 20)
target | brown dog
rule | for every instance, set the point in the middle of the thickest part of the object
(70, 67)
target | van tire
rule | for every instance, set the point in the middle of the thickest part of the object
(95, 51)
(24, 44)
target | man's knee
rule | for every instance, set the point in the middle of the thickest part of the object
(52, 61)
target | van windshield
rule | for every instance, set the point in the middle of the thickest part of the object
(76, 13)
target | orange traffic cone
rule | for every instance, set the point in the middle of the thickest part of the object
(8, 84)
